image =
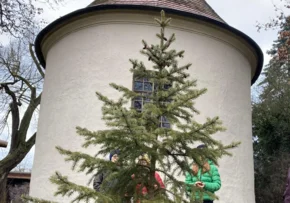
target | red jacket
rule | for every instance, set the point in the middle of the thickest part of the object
(157, 178)
(287, 190)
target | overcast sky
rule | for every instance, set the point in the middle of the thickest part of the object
(241, 14)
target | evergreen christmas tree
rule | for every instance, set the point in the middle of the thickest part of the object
(159, 126)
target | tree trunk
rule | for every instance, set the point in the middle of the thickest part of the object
(10, 162)
(6, 165)
(3, 187)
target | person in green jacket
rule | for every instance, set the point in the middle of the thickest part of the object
(207, 178)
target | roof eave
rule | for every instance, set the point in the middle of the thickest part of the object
(86, 10)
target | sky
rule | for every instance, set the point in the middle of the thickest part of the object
(245, 14)
(240, 14)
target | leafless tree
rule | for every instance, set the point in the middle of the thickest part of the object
(21, 78)
(17, 16)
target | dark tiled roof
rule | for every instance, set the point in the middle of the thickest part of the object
(199, 7)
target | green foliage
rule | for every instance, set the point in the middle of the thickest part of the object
(134, 132)
(271, 125)
(271, 113)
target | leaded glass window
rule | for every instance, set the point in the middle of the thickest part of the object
(145, 87)
(164, 123)
(139, 102)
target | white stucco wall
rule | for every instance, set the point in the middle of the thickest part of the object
(86, 56)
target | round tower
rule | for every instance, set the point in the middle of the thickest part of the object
(87, 49)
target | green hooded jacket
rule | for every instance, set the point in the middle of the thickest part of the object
(211, 179)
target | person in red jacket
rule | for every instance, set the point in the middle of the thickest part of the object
(145, 161)
(287, 190)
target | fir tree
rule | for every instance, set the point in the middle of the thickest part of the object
(137, 131)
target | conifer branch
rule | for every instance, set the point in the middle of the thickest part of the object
(65, 187)
(28, 199)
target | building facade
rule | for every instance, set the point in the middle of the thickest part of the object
(86, 50)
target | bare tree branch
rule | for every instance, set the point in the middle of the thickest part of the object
(26, 82)
(15, 117)
(17, 17)
(21, 78)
